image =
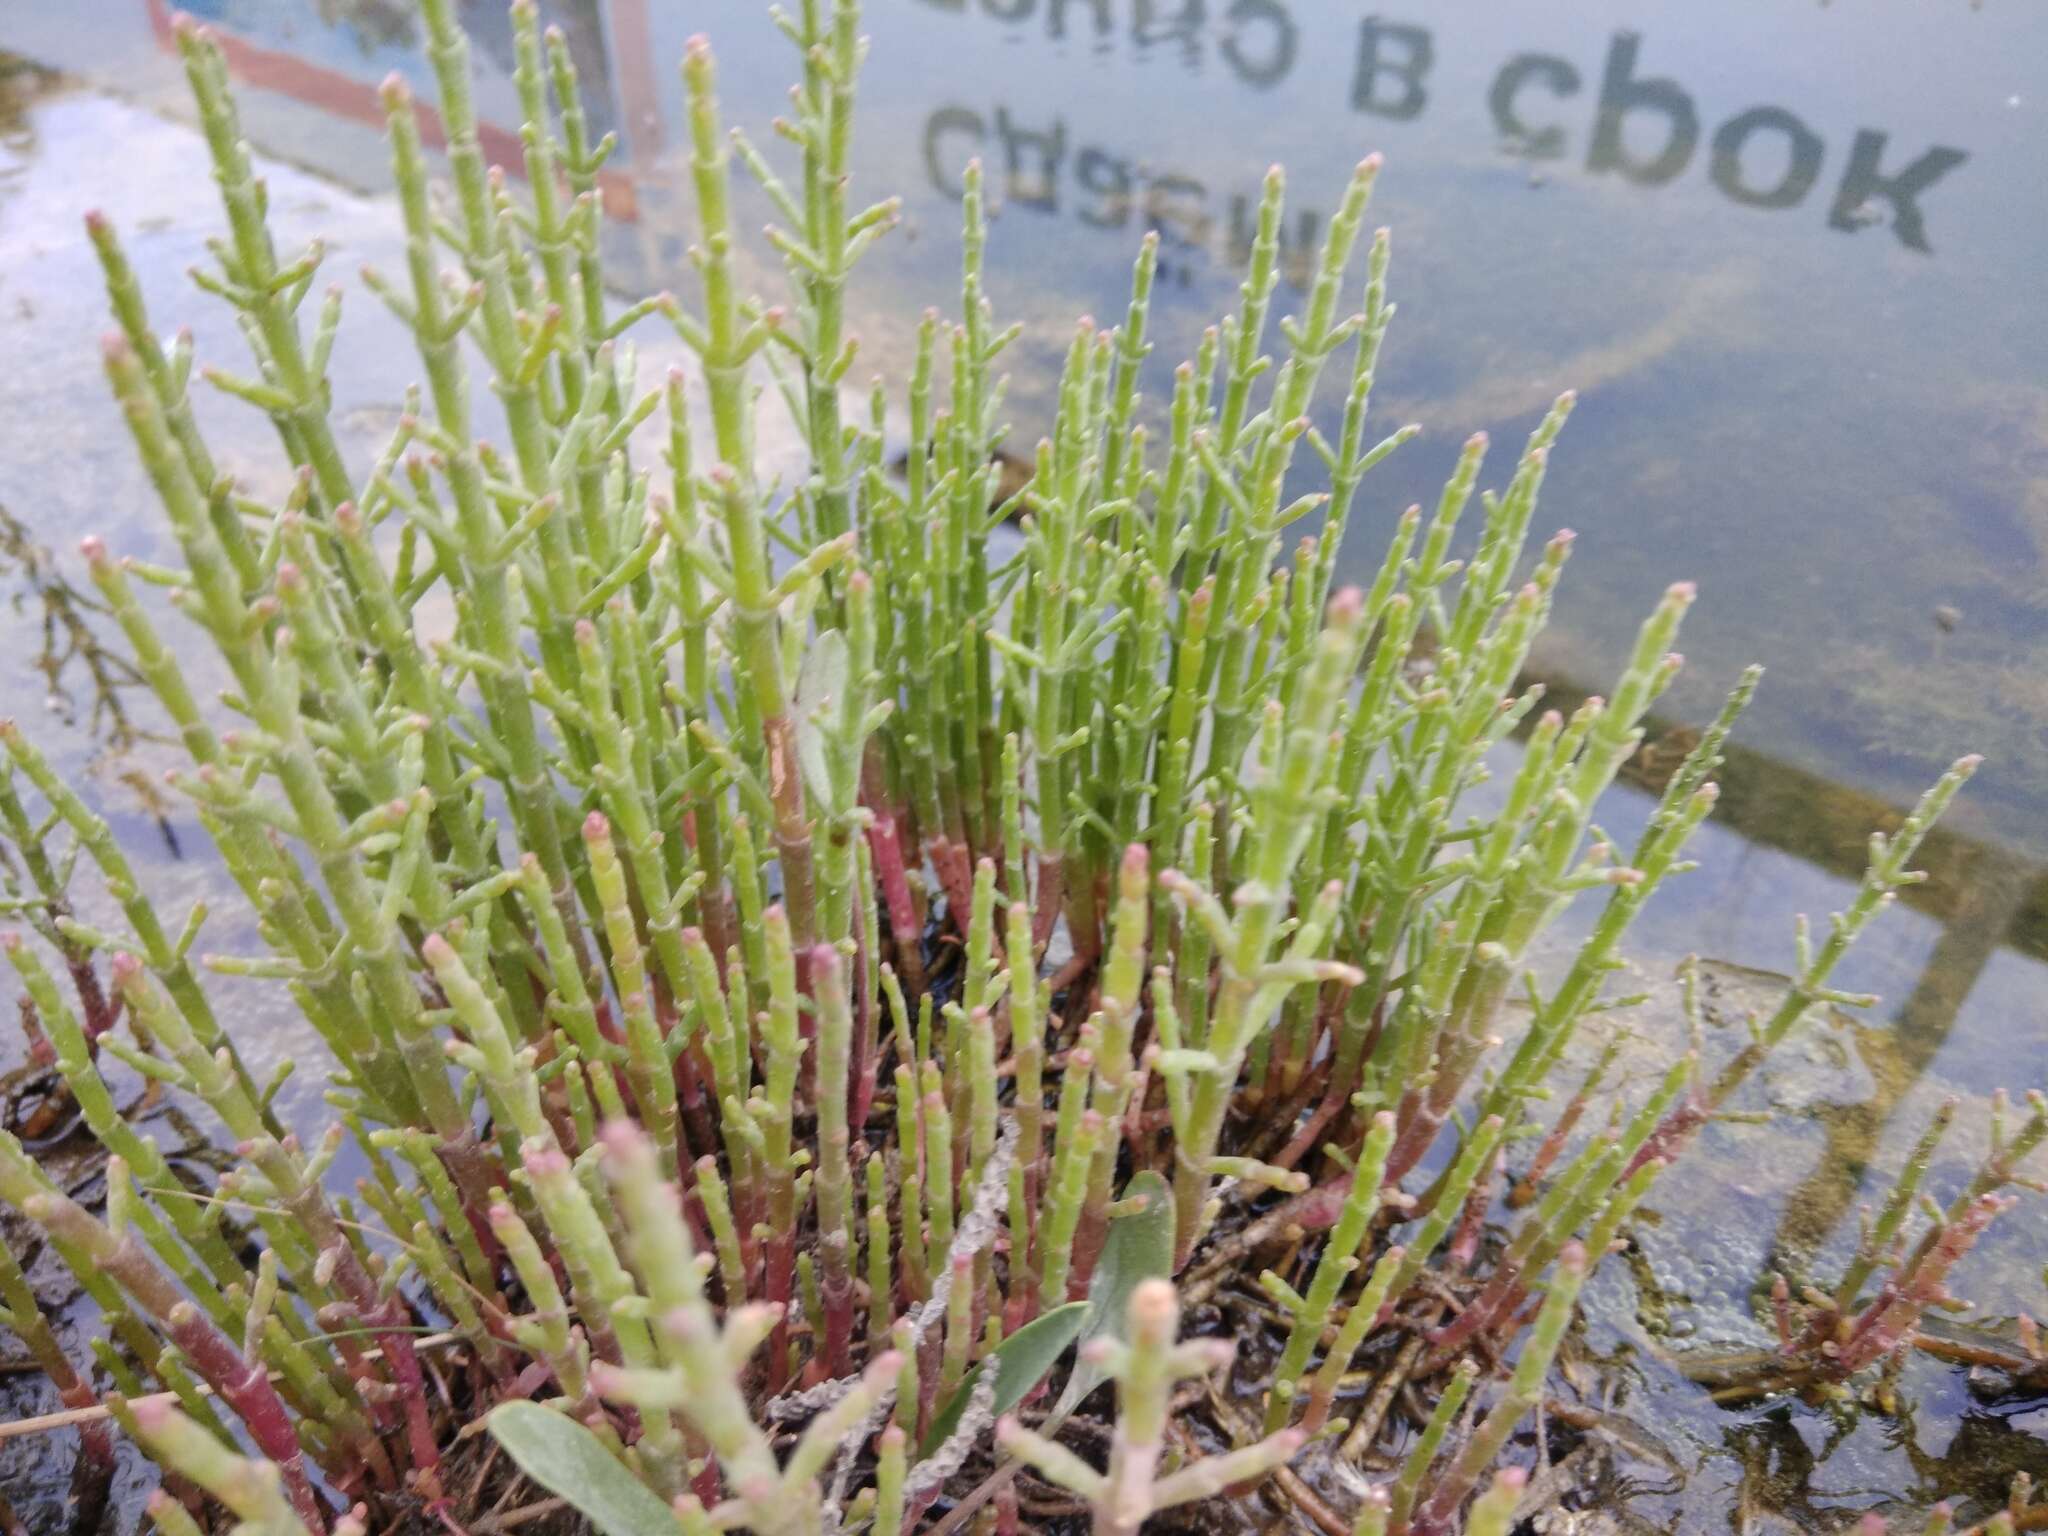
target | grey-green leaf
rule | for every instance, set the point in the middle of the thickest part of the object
(568, 1460)
(821, 684)
(1138, 1247)
(1021, 1361)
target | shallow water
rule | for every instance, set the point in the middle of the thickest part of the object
(1824, 403)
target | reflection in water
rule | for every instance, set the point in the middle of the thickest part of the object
(1984, 899)
(1258, 42)
(1037, 170)
(84, 683)
(1786, 1489)
(70, 658)
(79, 672)
(1759, 135)
(1644, 128)
(1981, 919)
(313, 48)
(1752, 394)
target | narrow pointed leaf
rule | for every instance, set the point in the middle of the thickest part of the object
(1021, 1362)
(1139, 1247)
(820, 686)
(571, 1462)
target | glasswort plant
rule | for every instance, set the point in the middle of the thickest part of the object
(806, 975)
